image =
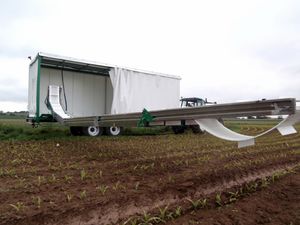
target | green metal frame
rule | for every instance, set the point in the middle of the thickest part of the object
(38, 84)
(44, 117)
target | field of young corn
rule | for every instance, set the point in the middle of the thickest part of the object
(151, 179)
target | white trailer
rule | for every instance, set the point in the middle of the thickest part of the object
(92, 97)
(93, 89)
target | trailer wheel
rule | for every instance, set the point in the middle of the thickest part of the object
(178, 129)
(93, 131)
(76, 131)
(114, 131)
(196, 129)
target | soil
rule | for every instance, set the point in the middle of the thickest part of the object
(109, 180)
(277, 204)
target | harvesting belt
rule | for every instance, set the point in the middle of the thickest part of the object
(205, 116)
(214, 127)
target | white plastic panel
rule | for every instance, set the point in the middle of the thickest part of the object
(32, 87)
(85, 93)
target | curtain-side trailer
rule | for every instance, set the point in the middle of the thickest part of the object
(90, 89)
(92, 97)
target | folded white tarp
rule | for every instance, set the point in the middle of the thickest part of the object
(214, 127)
(133, 91)
(54, 101)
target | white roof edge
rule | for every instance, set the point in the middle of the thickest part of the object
(43, 54)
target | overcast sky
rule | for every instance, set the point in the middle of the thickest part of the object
(223, 50)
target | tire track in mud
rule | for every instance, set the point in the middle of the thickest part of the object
(116, 214)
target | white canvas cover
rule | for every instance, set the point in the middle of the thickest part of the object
(133, 91)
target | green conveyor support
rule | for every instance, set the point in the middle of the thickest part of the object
(146, 118)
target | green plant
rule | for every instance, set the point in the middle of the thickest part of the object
(218, 200)
(178, 211)
(82, 194)
(147, 219)
(102, 189)
(53, 178)
(195, 204)
(131, 221)
(203, 203)
(137, 184)
(171, 178)
(18, 206)
(69, 197)
(116, 185)
(83, 174)
(40, 180)
(275, 176)
(37, 200)
(264, 182)
(68, 178)
(233, 196)
(163, 212)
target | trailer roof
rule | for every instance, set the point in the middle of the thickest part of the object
(82, 65)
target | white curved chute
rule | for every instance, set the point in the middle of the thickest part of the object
(54, 101)
(215, 128)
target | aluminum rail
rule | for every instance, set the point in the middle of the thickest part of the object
(286, 106)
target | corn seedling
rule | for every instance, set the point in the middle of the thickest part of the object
(264, 182)
(131, 221)
(53, 178)
(275, 176)
(83, 174)
(195, 204)
(116, 185)
(18, 206)
(203, 203)
(233, 196)
(40, 180)
(163, 212)
(134, 168)
(178, 211)
(137, 184)
(82, 194)
(37, 201)
(147, 219)
(254, 186)
(52, 203)
(171, 179)
(68, 178)
(69, 197)
(218, 200)
(102, 189)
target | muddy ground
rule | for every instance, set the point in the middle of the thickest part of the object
(133, 180)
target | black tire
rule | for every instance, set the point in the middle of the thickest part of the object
(178, 129)
(93, 131)
(76, 131)
(114, 131)
(196, 129)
